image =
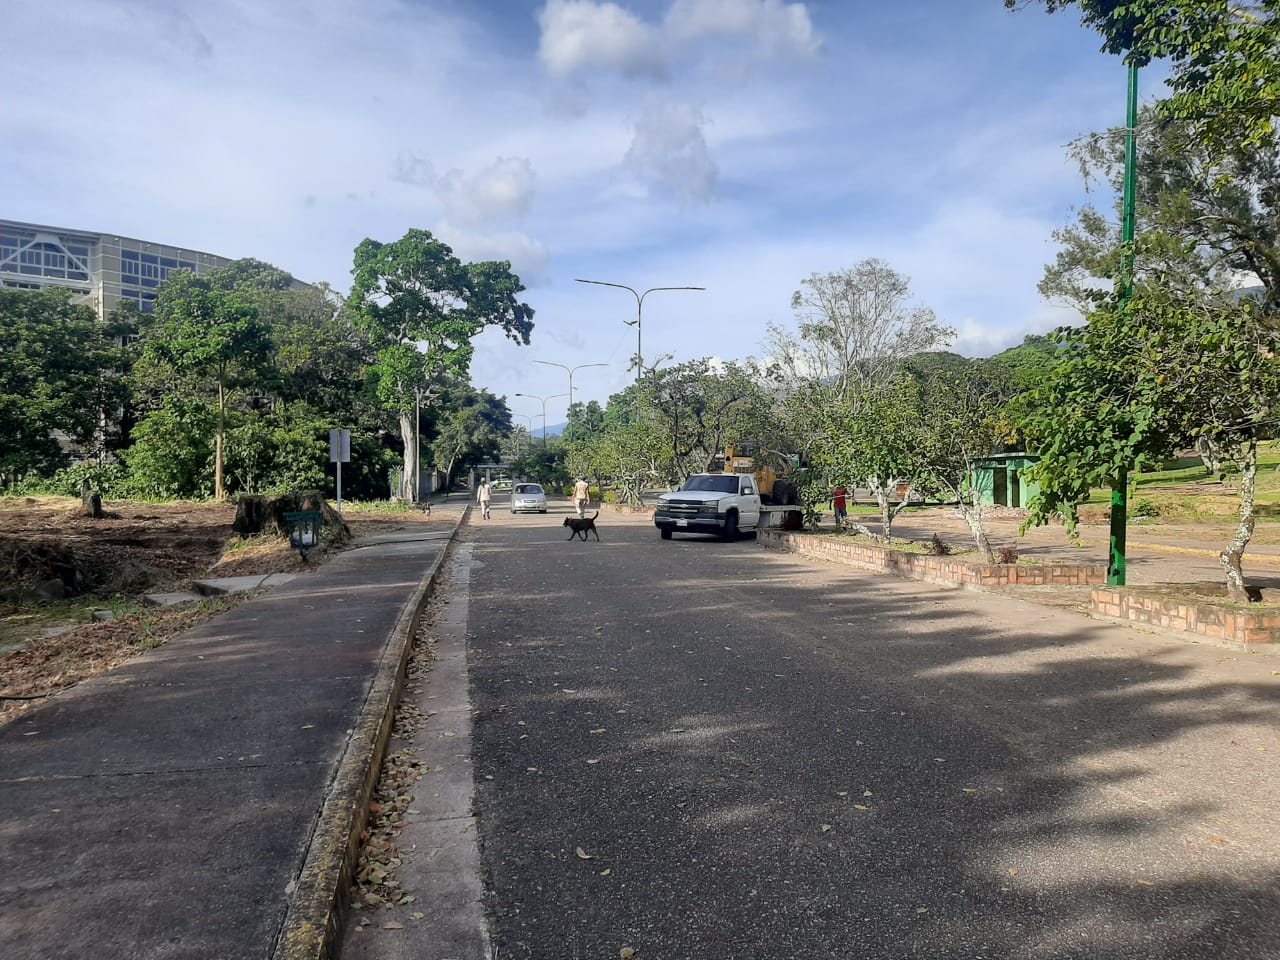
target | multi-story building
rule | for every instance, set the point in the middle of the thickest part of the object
(101, 269)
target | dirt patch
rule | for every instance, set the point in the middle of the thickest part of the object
(109, 564)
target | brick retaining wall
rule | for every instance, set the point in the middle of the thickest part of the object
(946, 571)
(1227, 623)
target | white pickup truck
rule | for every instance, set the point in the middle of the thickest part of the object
(722, 503)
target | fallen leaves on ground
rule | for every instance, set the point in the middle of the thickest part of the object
(376, 883)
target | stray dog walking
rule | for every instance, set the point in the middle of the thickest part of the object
(579, 526)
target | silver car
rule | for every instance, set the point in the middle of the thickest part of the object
(528, 498)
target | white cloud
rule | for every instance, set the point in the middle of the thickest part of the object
(529, 258)
(579, 35)
(777, 28)
(669, 150)
(503, 190)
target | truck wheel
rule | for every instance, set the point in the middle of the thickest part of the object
(666, 534)
(731, 527)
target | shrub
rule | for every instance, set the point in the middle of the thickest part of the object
(1144, 508)
(939, 547)
(1007, 555)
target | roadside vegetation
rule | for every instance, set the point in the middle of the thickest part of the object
(231, 386)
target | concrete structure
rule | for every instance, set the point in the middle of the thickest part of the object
(1000, 481)
(101, 269)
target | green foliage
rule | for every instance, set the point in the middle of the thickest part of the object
(172, 452)
(208, 339)
(109, 479)
(56, 366)
(470, 428)
(1144, 508)
(1223, 55)
(283, 451)
(421, 307)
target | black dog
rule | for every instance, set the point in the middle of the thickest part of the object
(580, 526)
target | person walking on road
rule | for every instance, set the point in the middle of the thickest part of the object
(581, 496)
(483, 497)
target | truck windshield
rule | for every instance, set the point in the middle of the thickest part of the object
(725, 484)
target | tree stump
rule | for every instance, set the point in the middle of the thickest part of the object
(91, 501)
(256, 514)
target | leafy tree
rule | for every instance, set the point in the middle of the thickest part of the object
(960, 420)
(421, 308)
(584, 420)
(172, 451)
(207, 333)
(702, 406)
(1206, 219)
(280, 450)
(632, 453)
(57, 376)
(1223, 56)
(856, 328)
(1211, 362)
(471, 429)
(879, 441)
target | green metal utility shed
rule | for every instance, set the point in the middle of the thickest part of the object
(999, 479)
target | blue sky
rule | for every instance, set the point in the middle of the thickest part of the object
(737, 145)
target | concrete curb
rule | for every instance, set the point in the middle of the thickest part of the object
(312, 926)
(1201, 552)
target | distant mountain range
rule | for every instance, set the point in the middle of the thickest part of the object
(553, 430)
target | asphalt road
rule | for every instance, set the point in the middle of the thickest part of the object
(700, 750)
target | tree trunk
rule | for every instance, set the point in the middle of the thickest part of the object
(881, 492)
(410, 461)
(972, 513)
(218, 492)
(1233, 556)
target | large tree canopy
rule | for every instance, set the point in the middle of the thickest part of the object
(421, 308)
(208, 334)
(55, 366)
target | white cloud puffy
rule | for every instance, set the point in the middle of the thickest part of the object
(529, 258)
(585, 35)
(778, 28)
(503, 190)
(669, 150)
(579, 35)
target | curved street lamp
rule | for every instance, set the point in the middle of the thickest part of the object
(549, 363)
(639, 312)
(534, 396)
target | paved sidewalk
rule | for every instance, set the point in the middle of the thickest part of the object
(178, 806)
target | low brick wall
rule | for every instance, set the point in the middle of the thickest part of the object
(946, 571)
(1223, 622)
(620, 508)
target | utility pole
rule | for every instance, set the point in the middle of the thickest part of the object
(1120, 485)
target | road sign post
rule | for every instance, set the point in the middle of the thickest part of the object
(339, 453)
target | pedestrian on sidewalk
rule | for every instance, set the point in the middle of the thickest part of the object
(581, 496)
(839, 499)
(483, 496)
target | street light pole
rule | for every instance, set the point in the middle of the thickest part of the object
(550, 363)
(528, 418)
(1116, 573)
(534, 396)
(639, 313)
